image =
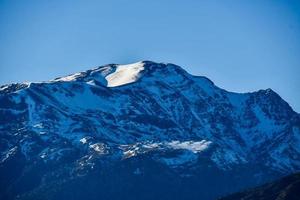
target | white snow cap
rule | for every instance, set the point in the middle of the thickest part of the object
(125, 74)
(194, 146)
(69, 78)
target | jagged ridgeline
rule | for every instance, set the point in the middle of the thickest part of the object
(141, 131)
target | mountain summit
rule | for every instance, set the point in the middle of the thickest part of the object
(114, 75)
(141, 131)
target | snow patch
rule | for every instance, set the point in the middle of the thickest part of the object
(193, 146)
(99, 148)
(9, 153)
(4, 87)
(124, 74)
(83, 140)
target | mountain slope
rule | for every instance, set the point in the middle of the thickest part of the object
(147, 127)
(287, 188)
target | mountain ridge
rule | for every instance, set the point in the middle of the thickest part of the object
(155, 125)
(26, 83)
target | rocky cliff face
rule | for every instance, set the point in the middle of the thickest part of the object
(141, 131)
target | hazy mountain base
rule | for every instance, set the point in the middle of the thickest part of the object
(138, 177)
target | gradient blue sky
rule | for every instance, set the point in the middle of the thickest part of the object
(240, 45)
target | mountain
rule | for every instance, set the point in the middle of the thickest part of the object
(141, 131)
(287, 188)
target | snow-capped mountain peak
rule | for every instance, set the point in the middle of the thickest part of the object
(111, 75)
(145, 116)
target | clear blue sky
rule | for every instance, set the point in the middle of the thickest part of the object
(240, 45)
